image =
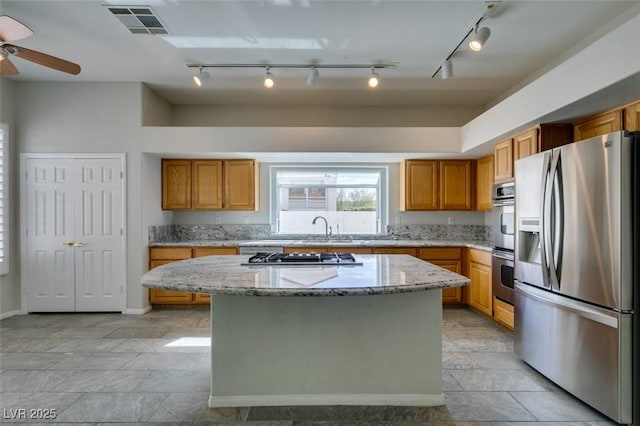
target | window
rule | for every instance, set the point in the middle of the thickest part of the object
(4, 193)
(353, 200)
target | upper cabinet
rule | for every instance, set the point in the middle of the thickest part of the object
(209, 184)
(503, 161)
(525, 144)
(436, 185)
(419, 185)
(632, 117)
(599, 125)
(455, 185)
(484, 183)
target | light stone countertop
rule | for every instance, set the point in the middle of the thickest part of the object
(481, 245)
(379, 274)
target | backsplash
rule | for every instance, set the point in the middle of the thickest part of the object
(179, 233)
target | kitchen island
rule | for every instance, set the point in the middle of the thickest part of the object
(320, 335)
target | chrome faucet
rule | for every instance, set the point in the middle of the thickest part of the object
(327, 228)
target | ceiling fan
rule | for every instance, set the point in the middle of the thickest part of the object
(11, 30)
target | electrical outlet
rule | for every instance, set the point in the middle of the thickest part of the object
(245, 219)
(451, 220)
(398, 220)
(218, 220)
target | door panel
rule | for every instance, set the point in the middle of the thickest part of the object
(49, 210)
(98, 235)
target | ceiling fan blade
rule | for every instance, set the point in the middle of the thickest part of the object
(7, 68)
(43, 59)
(12, 29)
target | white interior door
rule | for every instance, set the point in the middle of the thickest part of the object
(98, 239)
(50, 229)
(75, 259)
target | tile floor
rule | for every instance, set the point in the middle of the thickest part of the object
(111, 368)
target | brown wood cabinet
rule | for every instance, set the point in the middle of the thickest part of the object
(455, 185)
(209, 184)
(206, 188)
(448, 258)
(479, 271)
(484, 183)
(419, 185)
(525, 144)
(632, 117)
(163, 255)
(436, 185)
(598, 125)
(503, 161)
(503, 313)
(241, 185)
(411, 251)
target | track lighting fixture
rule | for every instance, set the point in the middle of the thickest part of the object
(479, 38)
(447, 69)
(199, 78)
(268, 79)
(374, 79)
(312, 79)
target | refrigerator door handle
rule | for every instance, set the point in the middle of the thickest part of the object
(544, 232)
(556, 223)
(598, 315)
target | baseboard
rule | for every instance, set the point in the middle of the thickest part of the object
(10, 314)
(412, 400)
(137, 311)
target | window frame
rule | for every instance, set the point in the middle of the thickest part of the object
(4, 197)
(382, 211)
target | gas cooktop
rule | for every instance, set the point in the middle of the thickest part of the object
(276, 258)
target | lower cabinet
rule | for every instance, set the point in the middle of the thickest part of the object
(479, 272)
(163, 255)
(503, 313)
(448, 258)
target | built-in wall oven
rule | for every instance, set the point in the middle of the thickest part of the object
(503, 231)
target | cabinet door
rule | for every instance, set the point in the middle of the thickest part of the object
(484, 183)
(450, 296)
(176, 184)
(207, 184)
(480, 293)
(632, 117)
(396, 250)
(598, 125)
(525, 144)
(420, 185)
(503, 161)
(199, 298)
(159, 296)
(455, 185)
(503, 313)
(240, 185)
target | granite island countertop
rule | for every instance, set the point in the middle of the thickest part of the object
(480, 245)
(379, 274)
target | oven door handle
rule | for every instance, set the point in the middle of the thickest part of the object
(503, 257)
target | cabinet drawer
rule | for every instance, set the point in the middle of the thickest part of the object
(396, 250)
(214, 251)
(480, 256)
(440, 253)
(173, 253)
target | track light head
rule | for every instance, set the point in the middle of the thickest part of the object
(374, 80)
(199, 78)
(312, 79)
(268, 79)
(479, 38)
(447, 69)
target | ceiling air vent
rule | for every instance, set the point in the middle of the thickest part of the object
(138, 19)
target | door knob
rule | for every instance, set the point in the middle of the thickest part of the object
(78, 244)
(68, 243)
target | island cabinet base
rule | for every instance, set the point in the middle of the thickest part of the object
(352, 350)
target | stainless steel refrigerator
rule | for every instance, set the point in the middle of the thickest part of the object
(576, 269)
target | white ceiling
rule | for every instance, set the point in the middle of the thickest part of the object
(526, 38)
